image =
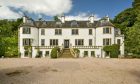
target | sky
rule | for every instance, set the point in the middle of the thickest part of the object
(72, 9)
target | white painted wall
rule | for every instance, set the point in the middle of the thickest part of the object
(66, 34)
(33, 35)
(100, 36)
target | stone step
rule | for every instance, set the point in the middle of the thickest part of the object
(66, 54)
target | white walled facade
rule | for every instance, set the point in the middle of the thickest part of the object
(97, 37)
(66, 35)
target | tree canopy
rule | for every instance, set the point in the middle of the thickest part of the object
(9, 37)
(129, 22)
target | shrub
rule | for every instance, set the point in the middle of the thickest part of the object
(19, 54)
(9, 55)
(26, 53)
(39, 54)
(113, 49)
(54, 52)
(76, 50)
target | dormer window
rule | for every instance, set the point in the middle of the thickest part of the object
(58, 24)
(26, 30)
(74, 24)
(89, 24)
(106, 30)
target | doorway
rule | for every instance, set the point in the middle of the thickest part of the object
(66, 43)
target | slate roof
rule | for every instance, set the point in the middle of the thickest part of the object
(67, 24)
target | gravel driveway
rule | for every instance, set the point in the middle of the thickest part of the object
(70, 71)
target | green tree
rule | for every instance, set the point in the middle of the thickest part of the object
(129, 23)
(125, 19)
(133, 41)
(9, 37)
(56, 18)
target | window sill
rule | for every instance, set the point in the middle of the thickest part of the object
(22, 33)
(58, 34)
(75, 34)
(107, 33)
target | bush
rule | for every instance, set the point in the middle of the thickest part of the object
(113, 49)
(39, 54)
(133, 56)
(54, 52)
(76, 50)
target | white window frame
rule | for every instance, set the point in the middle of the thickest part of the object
(106, 41)
(42, 42)
(54, 42)
(26, 30)
(107, 30)
(58, 31)
(42, 31)
(79, 42)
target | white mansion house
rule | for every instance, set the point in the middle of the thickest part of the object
(88, 36)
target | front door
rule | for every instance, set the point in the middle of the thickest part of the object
(66, 43)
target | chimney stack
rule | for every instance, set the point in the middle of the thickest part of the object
(91, 18)
(107, 18)
(25, 19)
(63, 18)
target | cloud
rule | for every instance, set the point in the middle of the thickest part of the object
(81, 16)
(6, 13)
(45, 7)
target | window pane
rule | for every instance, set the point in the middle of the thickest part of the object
(104, 30)
(56, 42)
(75, 31)
(47, 53)
(72, 32)
(26, 30)
(82, 42)
(42, 42)
(118, 41)
(90, 42)
(75, 42)
(104, 42)
(55, 31)
(26, 42)
(107, 30)
(90, 31)
(92, 53)
(42, 31)
(58, 31)
(85, 53)
(107, 41)
(51, 42)
(79, 42)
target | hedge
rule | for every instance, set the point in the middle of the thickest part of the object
(76, 50)
(113, 49)
(54, 52)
